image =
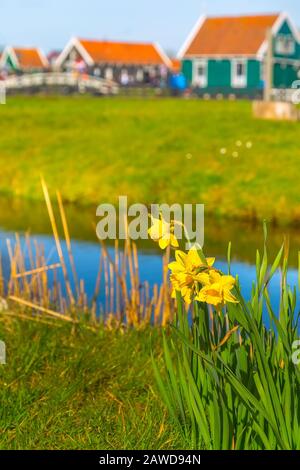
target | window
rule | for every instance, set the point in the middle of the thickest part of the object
(285, 45)
(124, 78)
(200, 73)
(239, 73)
(140, 75)
(97, 72)
(240, 69)
(73, 55)
(109, 75)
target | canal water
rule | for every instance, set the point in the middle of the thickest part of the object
(20, 217)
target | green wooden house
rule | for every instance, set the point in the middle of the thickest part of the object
(227, 55)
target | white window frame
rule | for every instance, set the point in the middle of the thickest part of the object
(279, 45)
(140, 75)
(202, 80)
(109, 73)
(239, 81)
(285, 44)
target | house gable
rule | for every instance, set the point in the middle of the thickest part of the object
(9, 62)
(228, 36)
(21, 58)
(116, 53)
(286, 35)
(74, 45)
(283, 26)
(9, 59)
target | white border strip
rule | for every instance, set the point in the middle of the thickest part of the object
(191, 36)
(74, 42)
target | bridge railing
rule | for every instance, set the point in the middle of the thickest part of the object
(83, 83)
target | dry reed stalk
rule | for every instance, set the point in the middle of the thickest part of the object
(38, 264)
(20, 265)
(134, 310)
(47, 311)
(130, 302)
(33, 284)
(117, 261)
(123, 274)
(120, 277)
(84, 297)
(1, 277)
(136, 272)
(29, 250)
(57, 241)
(44, 277)
(97, 289)
(126, 255)
(148, 311)
(60, 298)
(38, 270)
(147, 292)
(81, 294)
(106, 286)
(112, 285)
(64, 304)
(133, 293)
(11, 283)
(86, 306)
(68, 240)
(31, 318)
(54, 291)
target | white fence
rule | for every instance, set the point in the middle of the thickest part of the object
(2, 93)
(81, 83)
(289, 95)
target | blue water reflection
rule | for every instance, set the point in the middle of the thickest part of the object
(87, 256)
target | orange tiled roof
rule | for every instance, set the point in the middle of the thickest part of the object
(29, 58)
(231, 35)
(123, 52)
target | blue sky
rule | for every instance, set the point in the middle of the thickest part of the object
(50, 23)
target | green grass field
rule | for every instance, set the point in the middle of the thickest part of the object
(82, 390)
(65, 388)
(153, 150)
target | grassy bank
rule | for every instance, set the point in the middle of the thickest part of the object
(64, 390)
(152, 150)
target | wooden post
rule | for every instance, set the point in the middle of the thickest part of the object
(268, 108)
(269, 67)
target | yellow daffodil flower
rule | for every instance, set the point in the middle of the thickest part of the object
(184, 275)
(163, 233)
(217, 289)
(189, 262)
(183, 284)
